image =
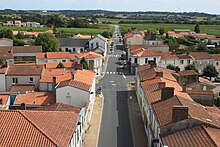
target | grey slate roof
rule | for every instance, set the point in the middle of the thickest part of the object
(73, 42)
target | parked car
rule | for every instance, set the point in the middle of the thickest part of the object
(217, 79)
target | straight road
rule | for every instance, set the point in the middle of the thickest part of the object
(115, 128)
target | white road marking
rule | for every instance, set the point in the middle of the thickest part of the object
(107, 73)
(113, 84)
(110, 72)
(113, 72)
(123, 75)
(111, 81)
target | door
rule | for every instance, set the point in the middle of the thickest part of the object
(68, 100)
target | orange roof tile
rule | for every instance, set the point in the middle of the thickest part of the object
(4, 98)
(83, 79)
(37, 128)
(200, 55)
(22, 88)
(36, 98)
(88, 55)
(168, 55)
(25, 69)
(56, 55)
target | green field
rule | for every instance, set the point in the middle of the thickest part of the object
(85, 31)
(209, 29)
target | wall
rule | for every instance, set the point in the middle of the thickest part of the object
(134, 40)
(22, 80)
(78, 97)
(6, 43)
(165, 62)
(100, 42)
(70, 49)
(216, 63)
(201, 64)
(184, 63)
(141, 60)
(45, 86)
(3, 84)
(204, 99)
(152, 42)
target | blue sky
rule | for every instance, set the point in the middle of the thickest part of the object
(209, 6)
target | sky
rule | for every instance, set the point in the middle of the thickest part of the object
(207, 6)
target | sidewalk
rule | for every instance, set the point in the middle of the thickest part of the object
(92, 134)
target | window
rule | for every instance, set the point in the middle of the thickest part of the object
(216, 63)
(74, 49)
(31, 80)
(135, 60)
(63, 60)
(146, 60)
(97, 44)
(181, 61)
(66, 49)
(14, 80)
(188, 61)
(91, 45)
(81, 50)
(155, 60)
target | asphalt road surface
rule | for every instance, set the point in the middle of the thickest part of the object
(115, 126)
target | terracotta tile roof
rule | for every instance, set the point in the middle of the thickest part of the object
(145, 53)
(128, 35)
(6, 39)
(61, 74)
(36, 98)
(22, 88)
(60, 107)
(192, 137)
(203, 92)
(88, 55)
(138, 47)
(27, 49)
(214, 134)
(25, 70)
(3, 70)
(50, 65)
(56, 55)
(163, 111)
(200, 55)
(4, 98)
(6, 52)
(168, 55)
(37, 128)
(143, 67)
(83, 79)
(216, 57)
(187, 73)
(150, 82)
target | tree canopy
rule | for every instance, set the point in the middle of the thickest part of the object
(84, 63)
(190, 67)
(48, 42)
(172, 67)
(197, 28)
(6, 33)
(210, 71)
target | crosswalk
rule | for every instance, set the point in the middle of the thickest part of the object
(112, 73)
(115, 56)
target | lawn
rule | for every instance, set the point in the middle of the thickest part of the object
(99, 29)
(209, 29)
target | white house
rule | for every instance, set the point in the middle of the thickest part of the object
(98, 41)
(79, 91)
(73, 45)
(6, 42)
(184, 60)
(168, 58)
(94, 60)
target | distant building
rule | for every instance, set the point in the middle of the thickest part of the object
(6, 42)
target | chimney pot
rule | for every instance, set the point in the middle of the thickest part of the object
(167, 92)
(161, 85)
(153, 64)
(159, 74)
(179, 113)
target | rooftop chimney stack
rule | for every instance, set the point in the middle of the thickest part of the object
(161, 85)
(167, 92)
(179, 113)
(159, 74)
(153, 65)
(23, 106)
(184, 87)
(54, 85)
(0, 101)
(72, 74)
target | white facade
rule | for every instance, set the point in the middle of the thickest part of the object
(144, 60)
(165, 62)
(182, 63)
(46, 60)
(46, 86)
(6, 42)
(152, 42)
(134, 40)
(3, 82)
(97, 41)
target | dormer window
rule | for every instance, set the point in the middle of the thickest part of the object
(14, 80)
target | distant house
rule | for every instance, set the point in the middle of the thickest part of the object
(201, 60)
(94, 60)
(40, 128)
(50, 57)
(6, 42)
(168, 58)
(23, 74)
(98, 41)
(184, 60)
(73, 45)
(216, 62)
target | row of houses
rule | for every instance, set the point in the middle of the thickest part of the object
(145, 54)
(52, 98)
(177, 107)
(18, 23)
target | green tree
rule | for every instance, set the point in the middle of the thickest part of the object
(6, 33)
(172, 67)
(20, 35)
(202, 47)
(190, 67)
(173, 45)
(161, 31)
(210, 71)
(197, 28)
(106, 34)
(84, 63)
(48, 42)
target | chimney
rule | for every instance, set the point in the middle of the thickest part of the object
(161, 85)
(159, 74)
(153, 65)
(0, 101)
(54, 85)
(184, 87)
(72, 74)
(179, 113)
(23, 106)
(167, 92)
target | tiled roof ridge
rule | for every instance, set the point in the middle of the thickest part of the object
(203, 127)
(38, 128)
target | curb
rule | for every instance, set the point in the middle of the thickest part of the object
(100, 121)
